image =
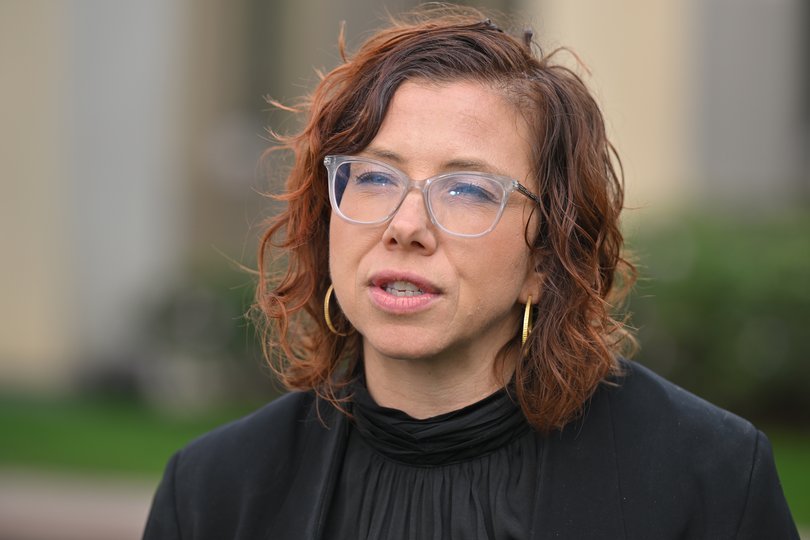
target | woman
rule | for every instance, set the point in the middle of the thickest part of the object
(453, 253)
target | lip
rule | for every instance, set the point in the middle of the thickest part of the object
(401, 305)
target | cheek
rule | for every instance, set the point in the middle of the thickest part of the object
(341, 265)
(497, 267)
(334, 241)
(349, 245)
(340, 247)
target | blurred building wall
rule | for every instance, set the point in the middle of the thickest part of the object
(36, 263)
(706, 100)
(126, 169)
(639, 55)
(751, 129)
(91, 110)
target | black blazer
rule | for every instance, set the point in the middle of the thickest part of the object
(647, 460)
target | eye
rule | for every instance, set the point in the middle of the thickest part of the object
(376, 178)
(472, 190)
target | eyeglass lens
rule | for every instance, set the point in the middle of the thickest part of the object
(464, 203)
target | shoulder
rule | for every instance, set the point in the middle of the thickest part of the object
(285, 414)
(642, 400)
(273, 431)
(265, 450)
(659, 424)
(685, 461)
(239, 476)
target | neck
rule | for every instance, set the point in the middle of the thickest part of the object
(424, 388)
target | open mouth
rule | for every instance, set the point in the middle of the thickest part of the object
(402, 288)
(402, 293)
(402, 284)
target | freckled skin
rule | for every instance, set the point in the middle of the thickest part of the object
(449, 347)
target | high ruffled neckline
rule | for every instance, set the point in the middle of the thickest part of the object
(473, 431)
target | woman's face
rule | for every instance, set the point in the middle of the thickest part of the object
(410, 289)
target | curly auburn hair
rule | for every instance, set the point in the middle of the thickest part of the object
(574, 343)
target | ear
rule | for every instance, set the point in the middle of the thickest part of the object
(532, 286)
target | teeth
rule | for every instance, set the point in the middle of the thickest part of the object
(403, 288)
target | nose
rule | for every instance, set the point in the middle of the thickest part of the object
(411, 228)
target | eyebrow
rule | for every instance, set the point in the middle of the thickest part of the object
(461, 164)
(383, 154)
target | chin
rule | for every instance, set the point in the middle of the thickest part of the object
(406, 347)
(407, 353)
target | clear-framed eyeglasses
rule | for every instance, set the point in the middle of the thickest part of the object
(368, 192)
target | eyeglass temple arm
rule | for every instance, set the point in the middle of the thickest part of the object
(521, 188)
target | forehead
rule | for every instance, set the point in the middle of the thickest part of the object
(429, 124)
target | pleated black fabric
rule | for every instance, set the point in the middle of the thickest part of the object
(470, 473)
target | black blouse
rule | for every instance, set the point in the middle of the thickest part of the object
(470, 473)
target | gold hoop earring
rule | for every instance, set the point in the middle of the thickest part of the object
(326, 311)
(527, 321)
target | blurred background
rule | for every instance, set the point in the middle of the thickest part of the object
(129, 159)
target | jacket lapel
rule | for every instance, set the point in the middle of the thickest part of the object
(579, 495)
(308, 498)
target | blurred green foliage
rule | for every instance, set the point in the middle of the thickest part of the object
(203, 350)
(791, 451)
(723, 309)
(98, 435)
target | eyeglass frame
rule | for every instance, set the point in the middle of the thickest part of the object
(333, 162)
